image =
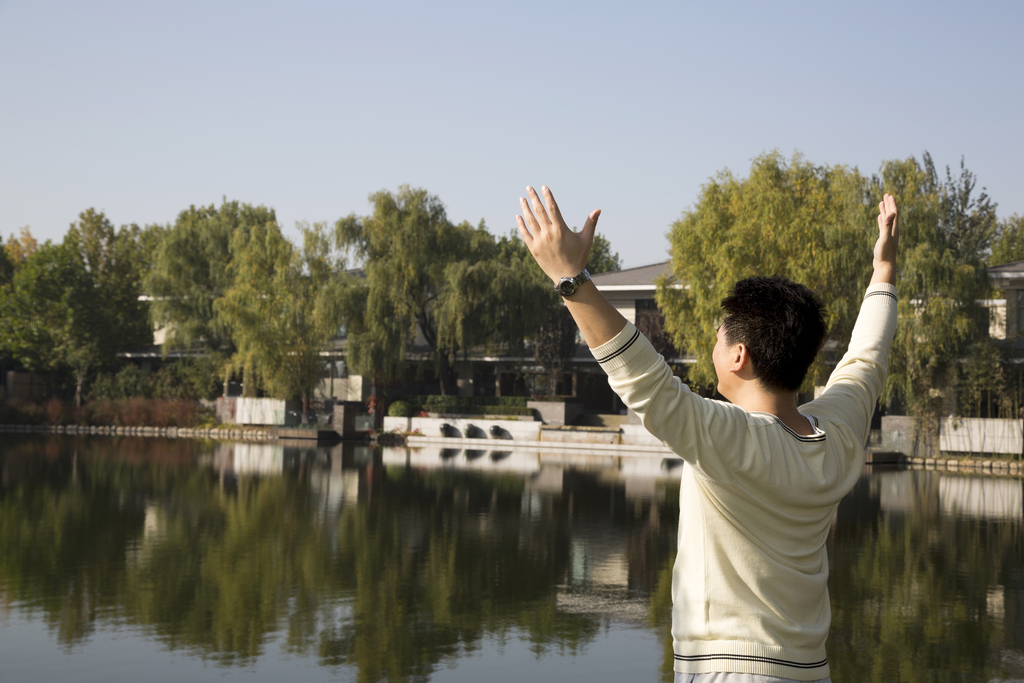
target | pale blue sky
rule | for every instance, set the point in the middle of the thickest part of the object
(140, 109)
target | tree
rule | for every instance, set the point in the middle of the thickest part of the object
(20, 249)
(283, 307)
(602, 258)
(6, 268)
(555, 337)
(945, 230)
(53, 317)
(116, 262)
(806, 222)
(1008, 245)
(814, 224)
(191, 269)
(16, 252)
(427, 276)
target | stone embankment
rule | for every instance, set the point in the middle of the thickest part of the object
(966, 464)
(216, 433)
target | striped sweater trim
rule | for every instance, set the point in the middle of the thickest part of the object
(881, 292)
(622, 349)
(752, 658)
(812, 438)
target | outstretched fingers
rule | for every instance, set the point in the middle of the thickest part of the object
(523, 231)
(538, 208)
(590, 226)
(552, 206)
(892, 215)
(527, 218)
(887, 217)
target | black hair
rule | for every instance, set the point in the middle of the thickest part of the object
(781, 323)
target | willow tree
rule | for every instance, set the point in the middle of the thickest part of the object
(191, 268)
(283, 307)
(551, 329)
(428, 278)
(942, 344)
(809, 223)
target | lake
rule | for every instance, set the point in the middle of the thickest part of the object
(129, 558)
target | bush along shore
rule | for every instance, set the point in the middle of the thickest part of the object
(217, 433)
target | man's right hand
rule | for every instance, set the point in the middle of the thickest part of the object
(884, 259)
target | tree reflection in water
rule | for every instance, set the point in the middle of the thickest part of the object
(393, 566)
(922, 588)
(391, 570)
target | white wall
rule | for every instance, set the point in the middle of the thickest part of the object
(980, 435)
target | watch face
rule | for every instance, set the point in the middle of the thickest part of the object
(566, 287)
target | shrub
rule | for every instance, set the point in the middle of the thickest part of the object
(455, 404)
(465, 405)
(188, 378)
(129, 382)
(400, 409)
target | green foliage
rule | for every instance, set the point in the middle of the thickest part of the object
(19, 249)
(191, 268)
(602, 258)
(53, 318)
(944, 232)
(188, 378)
(283, 307)
(116, 261)
(809, 223)
(7, 267)
(815, 225)
(464, 405)
(1008, 245)
(443, 404)
(76, 305)
(129, 382)
(427, 276)
(400, 409)
(195, 377)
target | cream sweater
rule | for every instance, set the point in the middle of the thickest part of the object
(756, 501)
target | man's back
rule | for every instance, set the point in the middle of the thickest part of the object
(756, 503)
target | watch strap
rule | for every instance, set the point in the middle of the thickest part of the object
(567, 286)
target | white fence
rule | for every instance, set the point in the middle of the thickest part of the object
(980, 435)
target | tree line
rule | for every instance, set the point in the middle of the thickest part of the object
(237, 298)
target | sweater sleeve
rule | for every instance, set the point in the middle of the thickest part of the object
(667, 407)
(855, 385)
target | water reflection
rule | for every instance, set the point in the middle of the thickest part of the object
(399, 564)
(926, 580)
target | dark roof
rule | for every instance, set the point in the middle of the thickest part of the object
(1015, 267)
(641, 275)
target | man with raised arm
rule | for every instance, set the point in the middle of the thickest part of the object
(763, 476)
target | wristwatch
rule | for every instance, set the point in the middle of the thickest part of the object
(567, 286)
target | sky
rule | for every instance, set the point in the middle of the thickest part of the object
(142, 109)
